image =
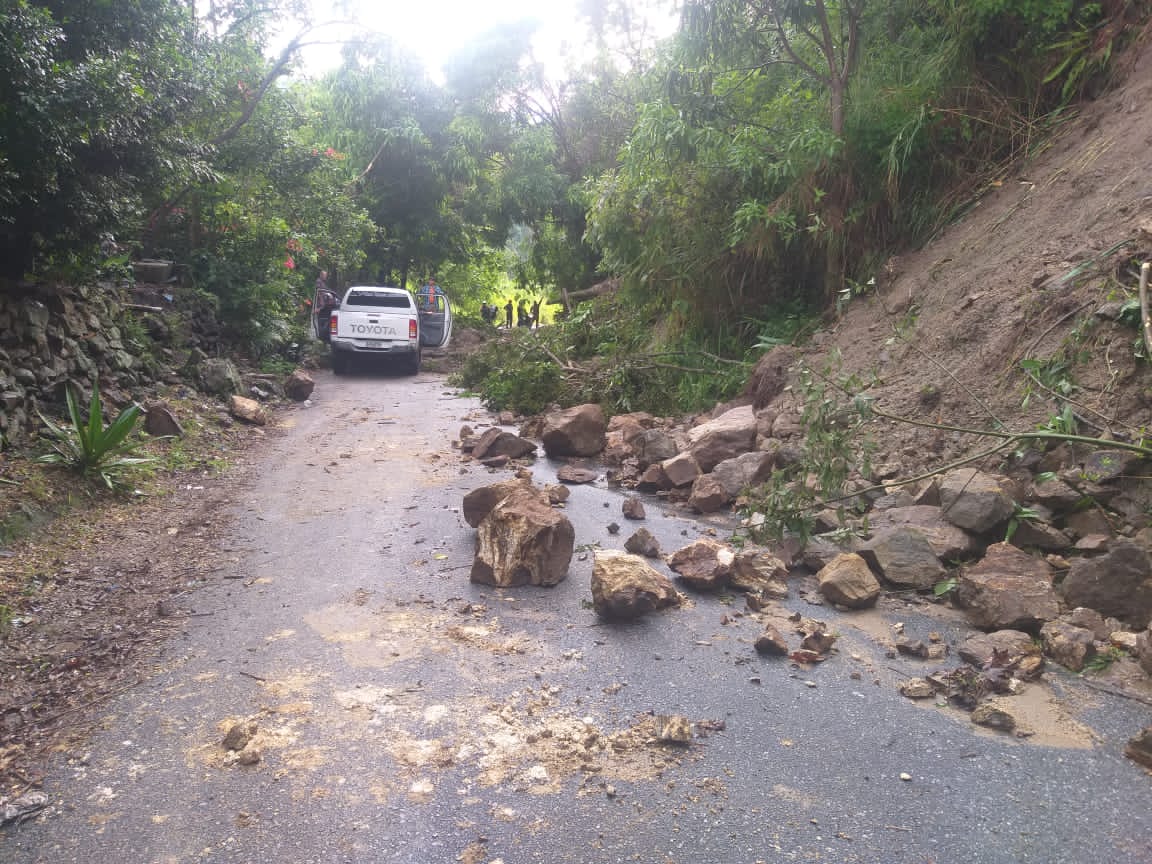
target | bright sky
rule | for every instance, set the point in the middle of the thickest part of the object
(435, 29)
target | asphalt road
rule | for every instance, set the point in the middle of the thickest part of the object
(402, 714)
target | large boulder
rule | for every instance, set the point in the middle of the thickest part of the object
(975, 501)
(758, 571)
(578, 431)
(626, 586)
(299, 385)
(479, 502)
(848, 581)
(1117, 584)
(523, 541)
(903, 557)
(643, 543)
(219, 377)
(248, 410)
(1103, 466)
(1070, 646)
(159, 421)
(726, 437)
(680, 470)
(980, 648)
(653, 445)
(740, 472)
(1008, 590)
(703, 565)
(947, 540)
(497, 442)
(708, 494)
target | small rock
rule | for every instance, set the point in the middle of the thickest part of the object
(643, 543)
(673, 729)
(249, 756)
(613, 528)
(239, 735)
(993, 718)
(770, 642)
(917, 688)
(576, 476)
(1139, 747)
(633, 508)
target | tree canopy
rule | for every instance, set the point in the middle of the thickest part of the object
(768, 154)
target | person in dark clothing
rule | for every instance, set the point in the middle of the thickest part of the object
(536, 313)
(323, 302)
(508, 314)
(522, 317)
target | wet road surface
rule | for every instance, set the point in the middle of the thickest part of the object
(402, 714)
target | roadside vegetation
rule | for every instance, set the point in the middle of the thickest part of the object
(739, 180)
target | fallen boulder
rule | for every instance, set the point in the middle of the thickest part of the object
(848, 581)
(479, 502)
(680, 470)
(299, 385)
(1118, 583)
(578, 431)
(1008, 590)
(947, 540)
(980, 648)
(643, 543)
(770, 642)
(653, 445)
(726, 437)
(248, 410)
(974, 500)
(523, 541)
(1071, 646)
(758, 571)
(703, 565)
(904, 558)
(708, 494)
(1139, 747)
(626, 586)
(159, 421)
(743, 471)
(497, 442)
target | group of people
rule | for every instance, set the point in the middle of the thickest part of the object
(429, 298)
(524, 318)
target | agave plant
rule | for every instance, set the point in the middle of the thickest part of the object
(91, 448)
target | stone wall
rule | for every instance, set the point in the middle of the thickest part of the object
(53, 334)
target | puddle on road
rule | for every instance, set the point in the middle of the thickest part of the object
(1043, 718)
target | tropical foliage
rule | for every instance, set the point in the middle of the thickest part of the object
(761, 162)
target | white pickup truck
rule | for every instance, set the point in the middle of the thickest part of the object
(373, 320)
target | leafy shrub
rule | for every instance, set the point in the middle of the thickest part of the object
(90, 448)
(528, 389)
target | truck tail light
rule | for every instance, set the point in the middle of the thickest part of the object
(412, 334)
(332, 324)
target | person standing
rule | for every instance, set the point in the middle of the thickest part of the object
(536, 314)
(508, 314)
(323, 302)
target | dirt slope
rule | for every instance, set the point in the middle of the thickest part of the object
(958, 316)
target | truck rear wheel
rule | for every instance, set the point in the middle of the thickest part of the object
(339, 362)
(412, 364)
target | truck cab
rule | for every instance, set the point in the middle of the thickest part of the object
(375, 320)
